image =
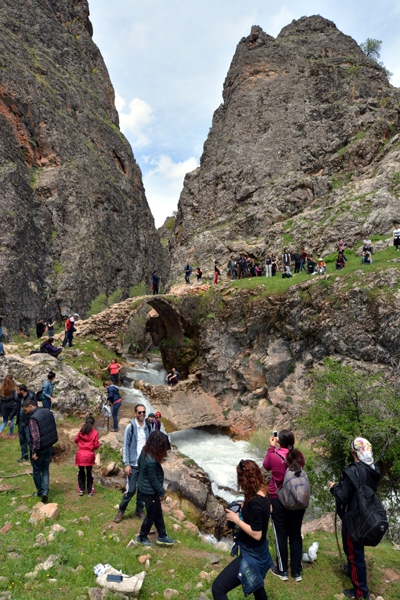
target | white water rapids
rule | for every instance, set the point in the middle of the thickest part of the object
(215, 453)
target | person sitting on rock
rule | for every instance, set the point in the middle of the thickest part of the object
(366, 258)
(172, 377)
(51, 349)
(286, 272)
(320, 269)
(311, 264)
(340, 262)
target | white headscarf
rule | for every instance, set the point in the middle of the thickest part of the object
(363, 449)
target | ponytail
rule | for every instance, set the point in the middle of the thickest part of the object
(88, 426)
(294, 458)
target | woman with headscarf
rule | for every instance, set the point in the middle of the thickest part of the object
(364, 470)
(251, 566)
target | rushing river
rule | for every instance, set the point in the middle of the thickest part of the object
(215, 453)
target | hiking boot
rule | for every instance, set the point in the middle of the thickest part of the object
(140, 514)
(352, 594)
(165, 541)
(44, 498)
(144, 541)
(281, 574)
(297, 577)
(118, 517)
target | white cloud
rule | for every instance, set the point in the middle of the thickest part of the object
(280, 20)
(137, 122)
(163, 184)
(119, 102)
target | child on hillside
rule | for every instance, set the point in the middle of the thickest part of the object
(88, 441)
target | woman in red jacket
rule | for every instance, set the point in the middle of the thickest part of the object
(88, 441)
(286, 523)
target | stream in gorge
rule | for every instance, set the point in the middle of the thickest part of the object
(215, 453)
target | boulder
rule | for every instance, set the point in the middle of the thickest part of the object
(41, 511)
(130, 585)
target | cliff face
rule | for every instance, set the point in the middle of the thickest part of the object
(308, 125)
(75, 220)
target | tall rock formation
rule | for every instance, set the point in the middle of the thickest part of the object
(75, 220)
(307, 130)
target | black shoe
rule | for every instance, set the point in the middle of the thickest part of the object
(22, 459)
(352, 594)
(44, 499)
(281, 574)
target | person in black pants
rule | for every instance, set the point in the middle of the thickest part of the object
(362, 470)
(250, 568)
(286, 523)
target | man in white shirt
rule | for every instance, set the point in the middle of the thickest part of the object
(135, 437)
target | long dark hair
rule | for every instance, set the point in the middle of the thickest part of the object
(294, 457)
(8, 386)
(250, 479)
(88, 426)
(156, 446)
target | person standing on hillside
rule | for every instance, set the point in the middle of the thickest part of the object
(88, 441)
(43, 436)
(303, 258)
(50, 327)
(286, 258)
(40, 328)
(232, 268)
(188, 271)
(217, 272)
(268, 266)
(114, 398)
(22, 421)
(8, 404)
(113, 368)
(47, 390)
(341, 247)
(69, 330)
(396, 237)
(156, 282)
(135, 436)
(365, 471)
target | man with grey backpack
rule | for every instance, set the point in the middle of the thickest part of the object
(289, 493)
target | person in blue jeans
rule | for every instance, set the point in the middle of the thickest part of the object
(114, 397)
(43, 434)
(22, 419)
(47, 390)
(8, 404)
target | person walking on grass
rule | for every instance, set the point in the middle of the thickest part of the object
(88, 441)
(150, 484)
(43, 436)
(8, 404)
(113, 368)
(69, 330)
(114, 398)
(135, 437)
(47, 390)
(22, 420)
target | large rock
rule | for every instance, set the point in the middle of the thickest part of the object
(72, 194)
(302, 149)
(130, 584)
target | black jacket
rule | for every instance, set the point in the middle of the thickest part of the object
(8, 406)
(23, 418)
(344, 491)
(47, 427)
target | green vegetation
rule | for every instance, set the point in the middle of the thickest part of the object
(139, 289)
(102, 301)
(57, 267)
(346, 403)
(372, 49)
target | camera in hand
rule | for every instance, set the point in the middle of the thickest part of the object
(234, 507)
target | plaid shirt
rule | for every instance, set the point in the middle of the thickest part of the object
(35, 435)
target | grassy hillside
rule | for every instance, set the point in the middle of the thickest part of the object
(105, 542)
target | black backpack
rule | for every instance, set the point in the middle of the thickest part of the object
(365, 518)
(38, 395)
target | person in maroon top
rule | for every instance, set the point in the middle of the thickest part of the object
(88, 441)
(286, 523)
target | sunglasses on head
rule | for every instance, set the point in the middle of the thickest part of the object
(242, 465)
(141, 412)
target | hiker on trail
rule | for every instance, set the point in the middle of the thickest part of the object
(341, 247)
(250, 534)
(113, 368)
(199, 274)
(286, 523)
(217, 272)
(155, 282)
(43, 436)
(367, 473)
(40, 328)
(188, 271)
(50, 327)
(396, 238)
(22, 419)
(172, 377)
(88, 441)
(8, 404)
(114, 398)
(135, 436)
(47, 390)
(69, 330)
(49, 347)
(150, 485)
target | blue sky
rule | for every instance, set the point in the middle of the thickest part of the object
(168, 61)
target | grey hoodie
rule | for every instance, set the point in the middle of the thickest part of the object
(129, 448)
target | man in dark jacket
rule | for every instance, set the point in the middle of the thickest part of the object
(135, 437)
(43, 433)
(363, 470)
(156, 282)
(22, 420)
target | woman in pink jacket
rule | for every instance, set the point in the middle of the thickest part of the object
(88, 441)
(286, 523)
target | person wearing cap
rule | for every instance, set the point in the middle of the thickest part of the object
(364, 470)
(157, 423)
(151, 421)
(69, 330)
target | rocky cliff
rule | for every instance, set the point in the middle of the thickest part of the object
(303, 149)
(75, 220)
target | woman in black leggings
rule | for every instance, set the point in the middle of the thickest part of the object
(250, 568)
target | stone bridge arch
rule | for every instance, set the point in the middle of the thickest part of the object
(111, 324)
